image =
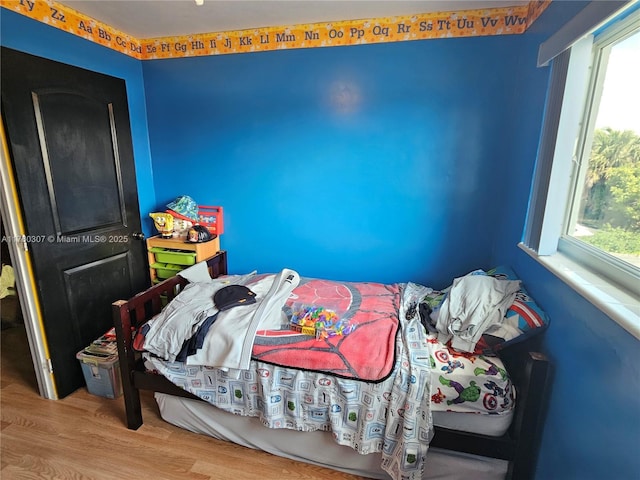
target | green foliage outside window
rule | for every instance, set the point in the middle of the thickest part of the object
(615, 240)
(611, 199)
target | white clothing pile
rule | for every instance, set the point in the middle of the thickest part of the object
(475, 304)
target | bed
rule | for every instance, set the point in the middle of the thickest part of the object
(395, 412)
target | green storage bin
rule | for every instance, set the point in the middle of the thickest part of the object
(166, 270)
(175, 257)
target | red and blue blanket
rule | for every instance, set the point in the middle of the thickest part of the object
(366, 353)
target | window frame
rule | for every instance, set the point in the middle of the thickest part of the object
(622, 273)
(597, 276)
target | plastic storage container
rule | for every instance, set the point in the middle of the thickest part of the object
(166, 270)
(175, 257)
(101, 373)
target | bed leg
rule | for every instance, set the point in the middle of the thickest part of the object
(126, 357)
(132, 407)
(529, 425)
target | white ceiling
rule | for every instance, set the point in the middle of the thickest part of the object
(145, 19)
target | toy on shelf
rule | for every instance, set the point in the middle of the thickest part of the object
(163, 223)
(199, 234)
(212, 218)
(181, 227)
(319, 322)
(209, 217)
(185, 208)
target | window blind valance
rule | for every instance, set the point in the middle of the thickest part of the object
(584, 23)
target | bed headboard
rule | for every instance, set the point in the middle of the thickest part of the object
(151, 301)
(130, 314)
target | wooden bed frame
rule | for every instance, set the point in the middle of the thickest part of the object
(529, 371)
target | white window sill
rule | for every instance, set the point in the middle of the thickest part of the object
(619, 305)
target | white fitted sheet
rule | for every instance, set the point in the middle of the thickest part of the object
(492, 425)
(316, 447)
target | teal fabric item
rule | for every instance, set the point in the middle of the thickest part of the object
(185, 205)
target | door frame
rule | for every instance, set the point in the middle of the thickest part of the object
(25, 279)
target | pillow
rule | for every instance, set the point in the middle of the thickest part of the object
(523, 319)
(198, 273)
(524, 312)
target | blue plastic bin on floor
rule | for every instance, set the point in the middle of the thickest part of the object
(102, 374)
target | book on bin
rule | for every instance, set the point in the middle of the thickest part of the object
(105, 346)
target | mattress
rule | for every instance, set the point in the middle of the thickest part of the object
(492, 425)
(317, 447)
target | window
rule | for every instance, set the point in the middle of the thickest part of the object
(603, 218)
(584, 213)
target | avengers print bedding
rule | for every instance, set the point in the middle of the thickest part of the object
(367, 371)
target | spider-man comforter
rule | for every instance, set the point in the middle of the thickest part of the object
(366, 353)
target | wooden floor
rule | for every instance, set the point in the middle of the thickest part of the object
(84, 437)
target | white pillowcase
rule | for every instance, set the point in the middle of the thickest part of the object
(199, 273)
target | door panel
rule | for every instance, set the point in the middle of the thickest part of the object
(84, 192)
(91, 286)
(71, 149)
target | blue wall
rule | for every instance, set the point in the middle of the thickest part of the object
(21, 33)
(592, 427)
(407, 161)
(374, 162)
